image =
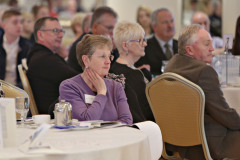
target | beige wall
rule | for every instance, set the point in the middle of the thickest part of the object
(231, 11)
(127, 9)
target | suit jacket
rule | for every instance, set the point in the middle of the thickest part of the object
(222, 123)
(24, 45)
(154, 55)
(46, 71)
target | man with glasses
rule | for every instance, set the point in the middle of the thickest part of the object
(46, 68)
(102, 23)
(161, 47)
(13, 47)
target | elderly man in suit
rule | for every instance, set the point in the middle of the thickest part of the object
(222, 123)
(161, 46)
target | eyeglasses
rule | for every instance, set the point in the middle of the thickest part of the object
(140, 41)
(109, 28)
(55, 30)
(103, 57)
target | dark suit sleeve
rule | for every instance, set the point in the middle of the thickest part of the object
(58, 70)
(215, 103)
(72, 59)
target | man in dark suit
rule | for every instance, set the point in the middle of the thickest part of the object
(222, 123)
(46, 69)
(161, 46)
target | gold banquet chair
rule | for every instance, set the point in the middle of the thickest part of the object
(12, 91)
(178, 107)
(28, 89)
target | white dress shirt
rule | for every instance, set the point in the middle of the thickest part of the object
(11, 60)
(162, 43)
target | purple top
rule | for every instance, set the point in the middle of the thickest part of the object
(110, 107)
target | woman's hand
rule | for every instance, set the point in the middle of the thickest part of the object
(97, 81)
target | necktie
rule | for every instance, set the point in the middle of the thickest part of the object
(168, 53)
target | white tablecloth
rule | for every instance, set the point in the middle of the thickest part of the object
(232, 96)
(123, 143)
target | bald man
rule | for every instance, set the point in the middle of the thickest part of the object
(202, 19)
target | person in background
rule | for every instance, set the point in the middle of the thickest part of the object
(2, 10)
(143, 18)
(28, 23)
(46, 69)
(13, 47)
(161, 46)
(236, 43)
(202, 19)
(76, 24)
(102, 23)
(222, 123)
(130, 41)
(86, 23)
(38, 12)
(91, 95)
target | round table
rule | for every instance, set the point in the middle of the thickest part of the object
(232, 96)
(122, 143)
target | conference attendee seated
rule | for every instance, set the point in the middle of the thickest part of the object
(39, 11)
(203, 19)
(102, 23)
(161, 47)
(236, 43)
(130, 41)
(91, 95)
(222, 123)
(13, 47)
(46, 69)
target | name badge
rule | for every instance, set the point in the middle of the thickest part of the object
(89, 98)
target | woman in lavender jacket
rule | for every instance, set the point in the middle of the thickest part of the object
(92, 96)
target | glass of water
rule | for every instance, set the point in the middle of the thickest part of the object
(164, 64)
(22, 107)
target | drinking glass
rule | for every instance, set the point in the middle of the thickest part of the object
(164, 64)
(22, 107)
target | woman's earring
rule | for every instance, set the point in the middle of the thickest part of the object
(126, 52)
(86, 67)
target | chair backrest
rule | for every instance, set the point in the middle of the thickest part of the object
(178, 108)
(11, 91)
(27, 88)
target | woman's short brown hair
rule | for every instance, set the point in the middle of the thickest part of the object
(89, 44)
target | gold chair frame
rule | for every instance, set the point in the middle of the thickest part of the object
(28, 89)
(11, 91)
(178, 107)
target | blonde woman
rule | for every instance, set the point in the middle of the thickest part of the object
(92, 96)
(143, 18)
(130, 41)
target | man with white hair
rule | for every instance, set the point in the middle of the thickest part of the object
(222, 123)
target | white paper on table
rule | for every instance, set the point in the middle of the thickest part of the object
(34, 145)
(8, 122)
(154, 134)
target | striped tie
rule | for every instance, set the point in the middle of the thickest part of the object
(168, 53)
